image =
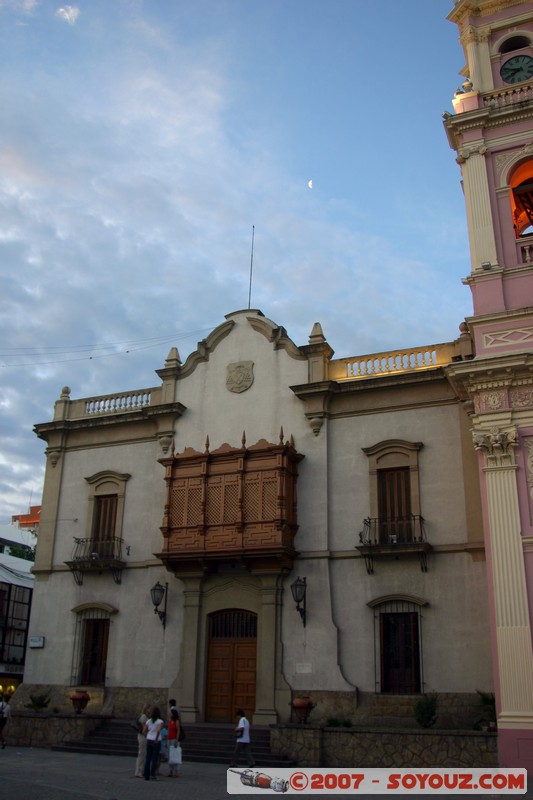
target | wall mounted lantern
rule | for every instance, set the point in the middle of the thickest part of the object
(299, 591)
(158, 592)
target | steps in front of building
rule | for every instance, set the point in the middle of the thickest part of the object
(205, 743)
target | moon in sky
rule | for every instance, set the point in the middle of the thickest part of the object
(310, 184)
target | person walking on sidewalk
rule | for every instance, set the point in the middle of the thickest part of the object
(4, 716)
(242, 740)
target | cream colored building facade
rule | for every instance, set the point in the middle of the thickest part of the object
(255, 462)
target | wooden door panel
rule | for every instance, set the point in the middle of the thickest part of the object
(219, 681)
(400, 657)
(231, 679)
(231, 664)
(95, 651)
(245, 675)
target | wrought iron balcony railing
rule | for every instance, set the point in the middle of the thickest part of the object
(392, 537)
(97, 555)
(396, 531)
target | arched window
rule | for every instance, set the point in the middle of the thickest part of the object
(514, 43)
(521, 184)
(398, 644)
(89, 655)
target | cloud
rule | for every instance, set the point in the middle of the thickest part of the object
(26, 7)
(128, 191)
(68, 14)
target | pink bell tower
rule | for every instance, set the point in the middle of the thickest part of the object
(491, 130)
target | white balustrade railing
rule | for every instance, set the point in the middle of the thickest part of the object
(391, 362)
(115, 403)
(508, 96)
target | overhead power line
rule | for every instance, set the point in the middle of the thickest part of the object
(90, 351)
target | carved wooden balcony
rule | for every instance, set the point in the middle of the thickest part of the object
(392, 538)
(231, 506)
(97, 555)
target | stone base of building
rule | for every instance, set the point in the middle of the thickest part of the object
(311, 746)
(455, 710)
(122, 702)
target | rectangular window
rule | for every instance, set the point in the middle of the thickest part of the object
(394, 506)
(105, 516)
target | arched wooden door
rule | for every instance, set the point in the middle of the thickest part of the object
(231, 664)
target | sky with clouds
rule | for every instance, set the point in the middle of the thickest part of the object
(141, 143)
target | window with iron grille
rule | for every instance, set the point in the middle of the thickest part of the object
(398, 644)
(89, 655)
(233, 624)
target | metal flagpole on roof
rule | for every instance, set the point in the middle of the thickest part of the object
(251, 268)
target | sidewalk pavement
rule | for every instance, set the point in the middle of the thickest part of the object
(50, 775)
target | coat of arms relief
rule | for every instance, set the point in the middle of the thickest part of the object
(240, 376)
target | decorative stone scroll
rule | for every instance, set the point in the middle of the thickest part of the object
(497, 445)
(165, 441)
(53, 454)
(471, 34)
(466, 152)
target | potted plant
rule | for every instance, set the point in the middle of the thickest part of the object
(487, 719)
(79, 700)
(302, 705)
(38, 702)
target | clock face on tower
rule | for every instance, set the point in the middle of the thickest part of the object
(518, 68)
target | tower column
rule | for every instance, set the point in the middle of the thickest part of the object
(512, 633)
(479, 216)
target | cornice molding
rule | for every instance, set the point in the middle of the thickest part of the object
(483, 8)
(277, 335)
(488, 118)
(206, 347)
(55, 429)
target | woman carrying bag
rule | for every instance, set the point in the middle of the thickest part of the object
(174, 747)
(152, 729)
